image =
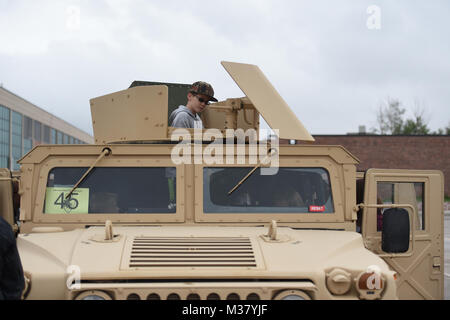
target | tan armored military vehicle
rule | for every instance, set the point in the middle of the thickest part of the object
(155, 212)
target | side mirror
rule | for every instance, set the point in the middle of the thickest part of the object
(396, 228)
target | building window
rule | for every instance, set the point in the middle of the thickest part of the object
(65, 139)
(16, 139)
(4, 137)
(59, 137)
(46, 137)
(37, 132)
(52, 136)
(27, 134)
(70, 140)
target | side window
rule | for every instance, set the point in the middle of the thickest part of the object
(402, 193)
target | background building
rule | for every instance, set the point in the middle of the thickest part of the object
(24, 125)
(394, 151)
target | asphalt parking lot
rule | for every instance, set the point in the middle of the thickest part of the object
(447, 256)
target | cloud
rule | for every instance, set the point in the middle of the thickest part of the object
(330, 68)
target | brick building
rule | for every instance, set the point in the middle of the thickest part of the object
(395, 152)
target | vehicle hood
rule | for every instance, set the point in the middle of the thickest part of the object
(213, 252)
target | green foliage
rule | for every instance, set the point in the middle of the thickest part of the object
(415, 126)
(390, 117)
(390, 121)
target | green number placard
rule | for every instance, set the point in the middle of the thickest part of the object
(56, 202)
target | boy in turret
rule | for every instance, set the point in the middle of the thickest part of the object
(199, 96)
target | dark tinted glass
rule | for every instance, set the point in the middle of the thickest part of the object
(112, 190)
(291, 190)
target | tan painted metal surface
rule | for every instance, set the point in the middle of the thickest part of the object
(138, 113)
(312, 252)
(267, 100)
(6, 196)
(267, 252)
(420, 272)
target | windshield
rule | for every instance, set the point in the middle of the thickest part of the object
(111, 190)
(291, 190)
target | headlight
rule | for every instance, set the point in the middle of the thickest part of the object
(93, 295)
(292, 295)
(370, 284)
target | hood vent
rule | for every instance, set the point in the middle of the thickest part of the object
(191, 252)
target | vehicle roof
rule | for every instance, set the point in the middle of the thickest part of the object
(39, 153)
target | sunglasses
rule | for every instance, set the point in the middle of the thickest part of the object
(205, 101)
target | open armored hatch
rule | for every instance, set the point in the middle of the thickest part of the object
(140, 113)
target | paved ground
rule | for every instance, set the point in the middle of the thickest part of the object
(447, 256)
(447, 207)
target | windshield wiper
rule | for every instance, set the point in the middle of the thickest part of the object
(270, 153)
(105, 152)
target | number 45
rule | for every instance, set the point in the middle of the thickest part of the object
(67, 204)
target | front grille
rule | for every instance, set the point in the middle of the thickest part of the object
(192, 252)
(194, 290)
(194, 296)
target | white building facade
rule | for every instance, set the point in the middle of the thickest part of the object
(24, 126)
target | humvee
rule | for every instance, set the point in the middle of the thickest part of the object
(150, 213)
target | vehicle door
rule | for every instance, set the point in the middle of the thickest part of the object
(420, 268)
(6, 196)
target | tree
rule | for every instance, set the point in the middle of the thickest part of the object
(390, 120)
(389, 117)
(415, 126)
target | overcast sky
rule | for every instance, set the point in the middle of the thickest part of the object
(334, 62)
